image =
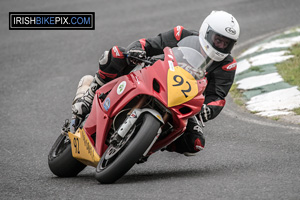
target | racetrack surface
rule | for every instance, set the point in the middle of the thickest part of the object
(246, 156)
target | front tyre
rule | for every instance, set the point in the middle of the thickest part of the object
(60, 159)
(115, 162)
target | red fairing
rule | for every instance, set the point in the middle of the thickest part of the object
(122, 90)
(178, 32)
(231, 66)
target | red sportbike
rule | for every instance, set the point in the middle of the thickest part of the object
(133, 116)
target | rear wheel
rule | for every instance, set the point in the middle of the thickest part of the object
(60, 159)
(119, 158)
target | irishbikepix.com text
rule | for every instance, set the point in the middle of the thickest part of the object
(54, 20)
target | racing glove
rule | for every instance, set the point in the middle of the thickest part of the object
(135, 53)
(205, 113)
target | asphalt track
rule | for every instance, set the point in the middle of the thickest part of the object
(246, 157)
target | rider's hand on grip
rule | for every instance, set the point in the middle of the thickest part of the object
(205, 113)
(134, 53)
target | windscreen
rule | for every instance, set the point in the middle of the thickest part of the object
(190, 60)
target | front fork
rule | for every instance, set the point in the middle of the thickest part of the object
(131, 119)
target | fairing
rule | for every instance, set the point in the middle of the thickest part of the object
(122, 90)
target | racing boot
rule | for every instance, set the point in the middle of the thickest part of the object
(192, 140)
(83, 100)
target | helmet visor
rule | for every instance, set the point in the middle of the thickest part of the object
(219, 42)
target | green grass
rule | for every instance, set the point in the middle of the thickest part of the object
(237, 95)
(290, 69)
(297, 111)
(256, 69)
(276, 118)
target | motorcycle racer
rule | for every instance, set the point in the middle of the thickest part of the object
(216, 37)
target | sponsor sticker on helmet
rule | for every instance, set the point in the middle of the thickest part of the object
(230, 30)
(121, 87)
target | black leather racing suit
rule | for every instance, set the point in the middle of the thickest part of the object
(220, 76)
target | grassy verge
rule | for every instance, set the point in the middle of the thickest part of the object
(290, 69)
(297, 111)
(237, 95)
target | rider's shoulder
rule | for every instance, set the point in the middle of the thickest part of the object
(181, 32)
(229, 63)
(229, 59)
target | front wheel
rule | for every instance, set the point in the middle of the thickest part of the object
(118, 159)
(60, 159)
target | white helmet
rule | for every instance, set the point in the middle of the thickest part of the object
(218, 34)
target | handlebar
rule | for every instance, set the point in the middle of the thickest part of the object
(147, 60)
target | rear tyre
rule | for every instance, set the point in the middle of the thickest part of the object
(115, 162)
(60, 159)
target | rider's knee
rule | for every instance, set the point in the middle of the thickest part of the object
(83, 86)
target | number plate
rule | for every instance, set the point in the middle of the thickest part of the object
(82, 148)
(182, 86)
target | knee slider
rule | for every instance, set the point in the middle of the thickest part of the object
(83, 86)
